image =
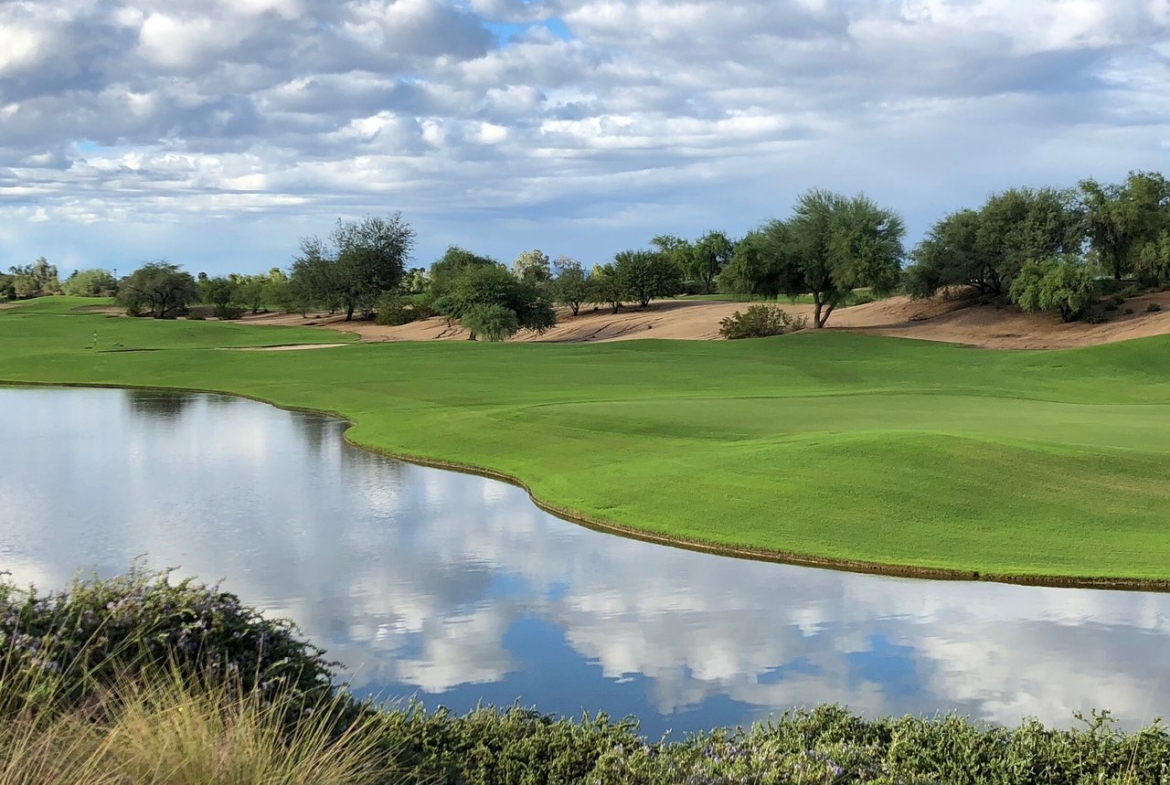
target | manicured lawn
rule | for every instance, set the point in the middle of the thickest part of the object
(836, 445)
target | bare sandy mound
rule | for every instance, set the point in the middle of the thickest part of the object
(959, 319)
(1006, 327)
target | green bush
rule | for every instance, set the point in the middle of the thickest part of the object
(760, 321)
(1153, 307)
(75, 644)
(393, 310)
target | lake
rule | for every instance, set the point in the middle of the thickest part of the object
(457, 589)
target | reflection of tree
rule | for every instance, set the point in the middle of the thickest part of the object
(317, 431)
(155, 404)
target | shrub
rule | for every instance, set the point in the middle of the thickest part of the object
(1153, 307)
(760, 321)
(75, 644)
(1111, 306)
(1096, 318)
(1128, 311)
(393, 310)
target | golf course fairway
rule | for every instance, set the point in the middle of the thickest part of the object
(911, 457)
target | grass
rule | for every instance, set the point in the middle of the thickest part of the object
(160, 731)
(1039, 465)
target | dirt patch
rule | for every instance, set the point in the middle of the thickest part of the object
(956, 319)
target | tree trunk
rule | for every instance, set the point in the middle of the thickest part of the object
(575, 307)
(817, 323)
(349, 312)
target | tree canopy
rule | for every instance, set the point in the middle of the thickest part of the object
(987, 248)
(646, 275)
(830, 246)
(477, 291)
(160, 289)
(357, 263)
(1124, 220)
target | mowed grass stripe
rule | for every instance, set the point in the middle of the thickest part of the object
(848, 447)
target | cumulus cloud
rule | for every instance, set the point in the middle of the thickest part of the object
(492, 117)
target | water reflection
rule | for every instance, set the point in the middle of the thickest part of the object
(457, 588)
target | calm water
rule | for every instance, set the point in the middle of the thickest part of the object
(456, 589)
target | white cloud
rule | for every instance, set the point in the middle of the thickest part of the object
(680, 109)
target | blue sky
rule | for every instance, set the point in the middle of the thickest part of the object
(215, 133)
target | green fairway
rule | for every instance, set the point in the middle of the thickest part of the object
(848, 447)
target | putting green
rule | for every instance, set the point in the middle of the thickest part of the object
(863, 450)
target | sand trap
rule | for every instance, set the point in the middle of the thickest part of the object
(958, 319)
(290, 347)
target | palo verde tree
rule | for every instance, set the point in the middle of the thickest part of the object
(570, 284)
(646, 275)
(834, 244)
(358, 262)
(477, 294)
(90, 283)
(451, 265)
(605, 288)
(1122, 219)
(709, 255)
(1065, 284)
(159, 289)
(758, 267)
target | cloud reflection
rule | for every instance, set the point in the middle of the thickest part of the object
(457, 587)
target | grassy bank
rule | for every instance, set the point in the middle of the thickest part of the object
(137, 681)
(844, 447)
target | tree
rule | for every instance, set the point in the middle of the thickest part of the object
(1066, 284)
(493, 322)
(836, 244)
(680, 252)
(219, 292)
(415, 281)
(707, 258)
(605, 287)
(1153, 264)
(158, 288)
(987, 248)
(360, 260)
(7, 290)
(35, 280)
(1123, 218)
(532, 266)
(312, 282)
(453, 262)
(570, 287)
(252, 291)
(646, 275)
(494, 285)
(90, 283)
(758, 265)
(949, 255)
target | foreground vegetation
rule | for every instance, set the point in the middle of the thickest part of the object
(146, 681)
(862, 450)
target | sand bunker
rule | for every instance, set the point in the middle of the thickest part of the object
(295, 347)
(958, 319)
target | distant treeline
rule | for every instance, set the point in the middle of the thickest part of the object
(1044, 249)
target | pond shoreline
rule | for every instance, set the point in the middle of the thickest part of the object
(716, 549)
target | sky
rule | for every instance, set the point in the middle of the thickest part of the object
(217, 133)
